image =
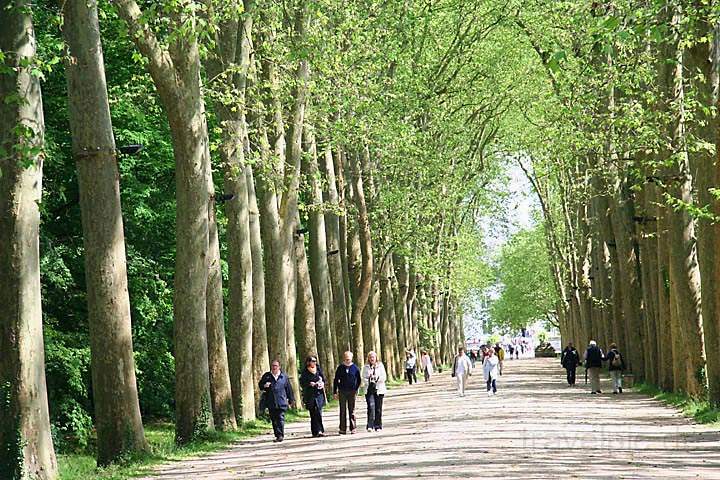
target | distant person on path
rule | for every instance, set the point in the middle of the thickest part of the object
(593, 363)
(312, 382)
(278, 397)
(500, 355)
(373, 378)
(410, 366)
(616, 365)
(491, 371)
(461, 370)
(473, 357)
(345, 387)
(427, 365)
(570, 359)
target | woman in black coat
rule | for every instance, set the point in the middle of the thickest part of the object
(277, 397)
(312, 382)
(570, 359)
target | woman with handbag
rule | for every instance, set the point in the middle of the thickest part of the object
(373, 383)
(312, 382)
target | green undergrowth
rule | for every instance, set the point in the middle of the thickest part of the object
(161, 437)
(699, 409)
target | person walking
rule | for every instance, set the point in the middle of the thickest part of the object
(616, 366)
(427, 365)
(593, 363)
(345, 387)
(410, 365)
(312, 382)
(278, 397)
(491, 371)
(373, 378)
(461, 370)
(500, 352)
(570, 359)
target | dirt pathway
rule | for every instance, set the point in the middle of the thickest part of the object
(536, 427)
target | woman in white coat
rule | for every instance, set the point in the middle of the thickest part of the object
(373, 384)
(427, 365)
(491, 371)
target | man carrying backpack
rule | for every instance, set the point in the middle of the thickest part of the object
(593, 363)
(616, 365)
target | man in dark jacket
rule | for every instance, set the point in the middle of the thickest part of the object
(570, 359)
(593, 362)
(345, 387)
(277, 397)
(616, 365)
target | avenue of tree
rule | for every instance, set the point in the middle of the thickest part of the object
(331, 161)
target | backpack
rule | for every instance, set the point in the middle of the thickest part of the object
(617, 360)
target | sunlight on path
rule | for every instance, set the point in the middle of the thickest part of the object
(536, 427)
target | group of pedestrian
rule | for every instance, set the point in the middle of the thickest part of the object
(411, 365)
(593, 361)
(348, 382)
(491, 358)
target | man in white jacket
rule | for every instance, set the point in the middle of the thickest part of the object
(461, 370)
(491, 371)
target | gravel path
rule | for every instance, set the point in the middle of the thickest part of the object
(536, 427)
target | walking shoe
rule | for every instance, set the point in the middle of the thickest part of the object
(278, 439)
(615, 392)
(599, 391)
(353, 431)
(378, 429)
(369, 429)
(342, 432)
(489, 393)
(594, 393)
(321, 434)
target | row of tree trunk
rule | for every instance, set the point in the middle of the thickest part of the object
(287, 298)
(635, 262)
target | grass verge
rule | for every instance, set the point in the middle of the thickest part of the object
(698, 409)
(161, 437)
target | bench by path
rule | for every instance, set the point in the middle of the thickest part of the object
(536, 427)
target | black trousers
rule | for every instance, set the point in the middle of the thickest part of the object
(277, 416)
(347, 410)
(374, 410)
(410, 375)
(571, 376)
(316, 425)
(491, 384)
(427, 375)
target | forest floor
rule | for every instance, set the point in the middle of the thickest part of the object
(536, 427)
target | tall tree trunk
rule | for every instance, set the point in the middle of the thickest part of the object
(220, 387)
(354, 267)
(305, 328)
(232, 48)
(176, 74)
(366, 265)
(318, 257)
(704, 58)
(667, 341)
(684, 269)
(387, 319)
(117, 408)
(335, 254)
(261, 360)
(401, 314)
(26, 447)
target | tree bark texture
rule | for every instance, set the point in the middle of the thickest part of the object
(26, 446)
(176, 74)
(117, 408)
